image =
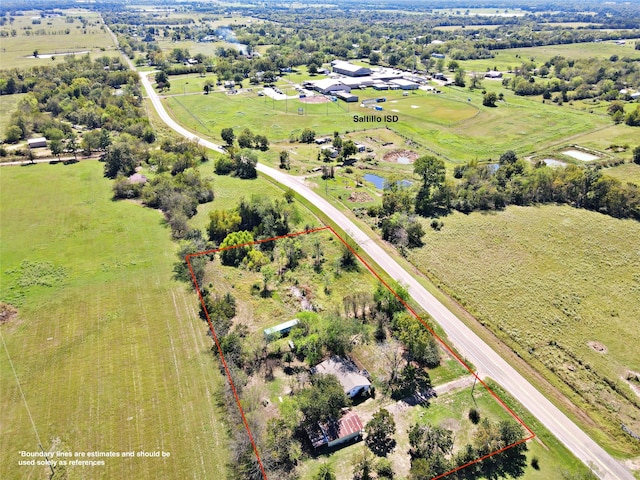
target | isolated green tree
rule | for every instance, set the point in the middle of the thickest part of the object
(235, 247)
(348, 148)
(489, 99)
(246, 139)
(285, 163)
(307, 136)
(459, 78)
(228, 136)
(162, 80)
(380, 430)
(245, 162)
(323, 400)
(636, 151)
(431, 170)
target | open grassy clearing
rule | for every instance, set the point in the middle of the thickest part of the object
(452, 28)
(112, 355)
(228, 190)
(50, 37)
(533, 275)
(626, 173)
(213, 21)
(448, 123)
(194, 47)
(8, 104)
(510, 58)
(603, 139)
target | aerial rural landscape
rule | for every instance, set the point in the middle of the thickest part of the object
(341, 241)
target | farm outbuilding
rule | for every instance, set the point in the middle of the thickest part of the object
(334, 433)
(280, 329)
(37, 142)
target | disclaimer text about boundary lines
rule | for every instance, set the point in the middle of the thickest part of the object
(83, 458)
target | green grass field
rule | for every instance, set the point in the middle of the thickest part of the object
(510, 58)
(8, 104)
(450, 410)
(559, 285)
(108, 348)
(228, 190)
(626, 173)
(50, 38)
(448, 123)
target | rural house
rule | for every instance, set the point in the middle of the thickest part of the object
(352, 380)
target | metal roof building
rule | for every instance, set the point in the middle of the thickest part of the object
(334, 433)
(280, 329)
(349, 69)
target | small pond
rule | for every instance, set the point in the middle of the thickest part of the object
(379, 181)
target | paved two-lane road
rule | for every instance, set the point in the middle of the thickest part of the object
(487, 361)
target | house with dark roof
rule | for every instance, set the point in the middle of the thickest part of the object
(334, 433)
(350, 377)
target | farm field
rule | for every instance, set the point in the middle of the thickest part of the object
(510, 58)
(560, 286)
(449, 123)
(109, 350)
(54, 37)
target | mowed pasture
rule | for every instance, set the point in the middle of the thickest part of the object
(228, 190)
(626, 173)
(511, 58)
(560, 286)
(108, 349)
(53, 36)
(453, 123)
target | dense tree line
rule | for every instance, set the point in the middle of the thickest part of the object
(561, 79)
(94, 94)
(517, 182)
(514, 182)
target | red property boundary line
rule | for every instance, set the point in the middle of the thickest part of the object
(411, 310)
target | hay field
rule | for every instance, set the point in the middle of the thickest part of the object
(53, 36)
(107, 347)
(510, 58)
(561, 287)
